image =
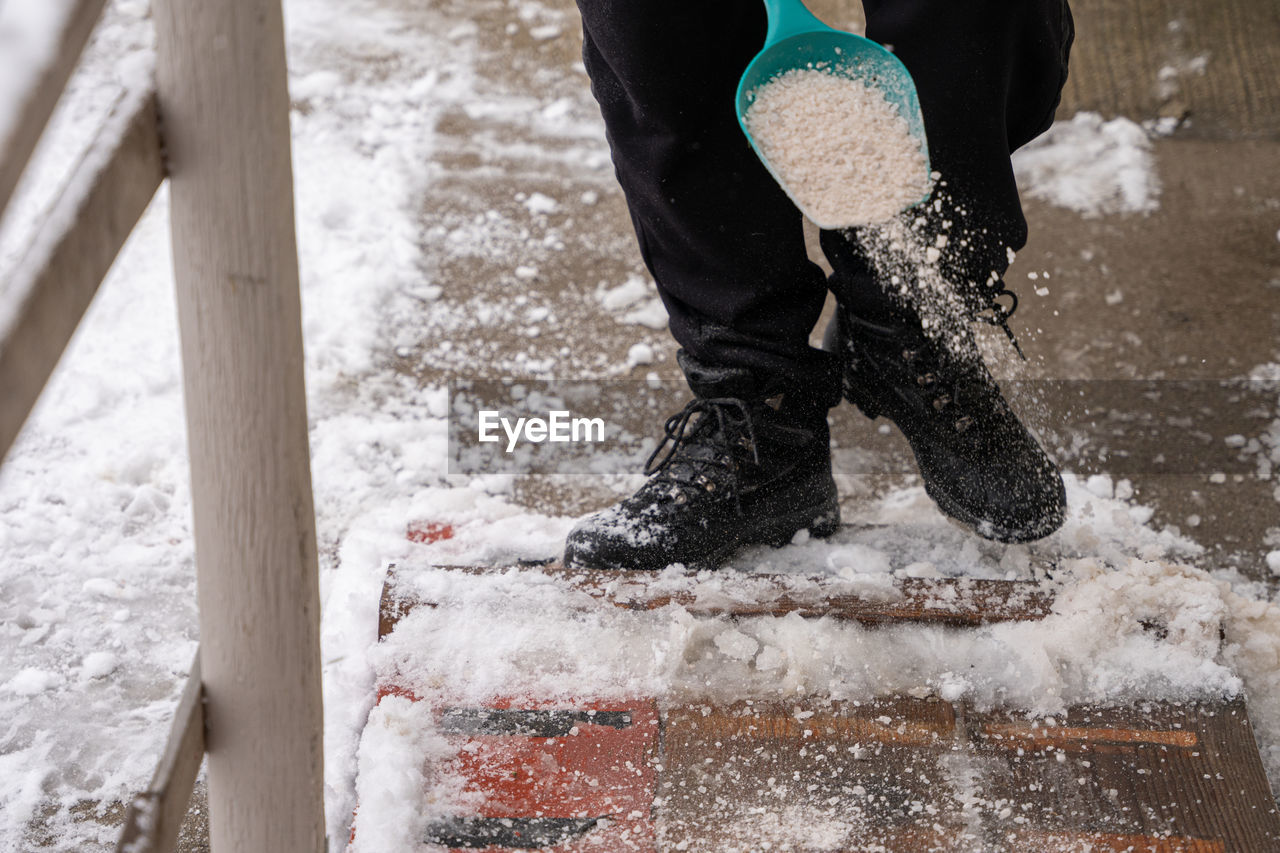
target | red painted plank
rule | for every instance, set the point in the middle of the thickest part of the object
(592, 771)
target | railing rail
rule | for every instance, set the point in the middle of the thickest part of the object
(252, 703)
(85, 230)
(18, 141)
(154, 818)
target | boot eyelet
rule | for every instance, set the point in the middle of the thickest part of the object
(964, 423)
(926, 379)
(909, 355)
(940, 403)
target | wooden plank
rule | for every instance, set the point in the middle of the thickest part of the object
(1177, 776)
(525, 774)
(1101, 842)
(23, 134)
(1214, 64)
(951, 601)
(841, 779)
(906, 722)
(57, 279)
(890, 774)
(154, 818)
(222, 90)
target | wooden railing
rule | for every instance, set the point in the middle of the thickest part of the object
(216, 124)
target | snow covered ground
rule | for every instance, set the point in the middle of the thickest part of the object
(395, 108)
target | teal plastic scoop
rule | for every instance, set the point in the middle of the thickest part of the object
(798, 40)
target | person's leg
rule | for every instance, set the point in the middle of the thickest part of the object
(722, 240)
(989, 76)
(749, 459)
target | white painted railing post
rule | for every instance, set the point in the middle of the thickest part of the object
(224, 116)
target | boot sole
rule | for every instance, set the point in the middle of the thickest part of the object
(821, 521)
(987, 529)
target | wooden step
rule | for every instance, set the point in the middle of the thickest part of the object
(897, 774)
(951, 601)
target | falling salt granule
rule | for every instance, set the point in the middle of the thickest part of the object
(841, 151)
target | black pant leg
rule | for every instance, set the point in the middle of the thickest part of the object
(989, 74)
(723, 242)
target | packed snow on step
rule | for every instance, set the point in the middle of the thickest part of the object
(524, 634)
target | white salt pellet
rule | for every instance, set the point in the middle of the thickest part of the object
(838, 147)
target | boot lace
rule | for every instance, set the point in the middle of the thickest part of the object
(947, 396)
(705, 454)
(997, 313)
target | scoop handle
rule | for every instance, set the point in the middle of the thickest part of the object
(789, 18)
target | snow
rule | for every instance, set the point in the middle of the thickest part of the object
(32, 681)
(1092, 166)
(521, 633)
(399, 740)
(29, 35)
(524, 634)
(640, 354)
(97, 592)
(633, 303)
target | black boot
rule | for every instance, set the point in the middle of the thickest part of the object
(734, 468)
(978, 462)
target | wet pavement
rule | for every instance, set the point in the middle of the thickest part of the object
(528, 237)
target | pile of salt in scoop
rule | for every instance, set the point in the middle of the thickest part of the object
(841, 150)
